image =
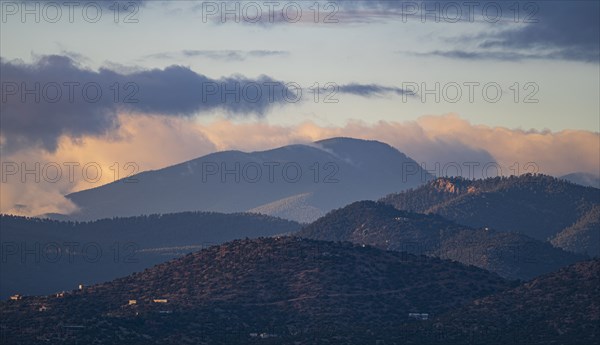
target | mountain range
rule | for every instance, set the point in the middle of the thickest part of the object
(294, 257)
(300, 182)
(511, 255)
(538, 206)
(42, 256)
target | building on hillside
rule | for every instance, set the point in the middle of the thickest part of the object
(263, 335)
(267, 335)
(419, 316)
(16, 297)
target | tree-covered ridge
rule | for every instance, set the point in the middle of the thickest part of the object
(562, 307)
(539, 206)
(149, 231)
(42, 256)
(511, 255)
(296, 290)
(583, 236)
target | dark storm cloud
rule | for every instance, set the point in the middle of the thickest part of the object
(55, 96)
(567, 30)
(554, 30)
(368, 90)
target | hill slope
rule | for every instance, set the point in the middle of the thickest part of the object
(296, 207)
(584, 179)
(511, 255)
(45, 256)
(333, 172)
(289, 289)
(583, 236)
(538, 206)
(558, 308)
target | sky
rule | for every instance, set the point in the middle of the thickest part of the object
(154, 83)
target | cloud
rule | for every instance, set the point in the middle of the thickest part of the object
(434, 139)
(56, 96)
(513, 31)
(549, 30)
(568, 30)
(105, 4)
(440, 142)
(226, 55)
(140, 143)
(368, 90)
(500, 55)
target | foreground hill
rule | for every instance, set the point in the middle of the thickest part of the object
(511, 255)
(42, 256)
(314, 178)
(538, 206)
(558, 308)
(266, 291)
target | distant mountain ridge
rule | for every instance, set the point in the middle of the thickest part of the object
(583, 236)
(296, 207)
(511, 255)
(42, 256)
(584, 179)
(538, 206)
(325, 175)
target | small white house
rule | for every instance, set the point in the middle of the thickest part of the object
(267, 335)
(419, 316)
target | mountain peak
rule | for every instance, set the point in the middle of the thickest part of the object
(333, 172)
(348, 143)
(341, 140)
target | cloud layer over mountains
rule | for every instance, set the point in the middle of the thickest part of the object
(153, 142)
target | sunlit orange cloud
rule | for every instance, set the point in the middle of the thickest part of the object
(428, 139)
(153, 142)
(147, 142)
